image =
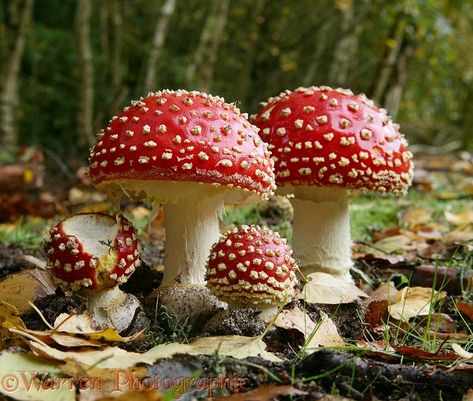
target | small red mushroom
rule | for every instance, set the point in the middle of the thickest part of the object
(252, 265)
(191, 152)
(325, 142)
(93, 253)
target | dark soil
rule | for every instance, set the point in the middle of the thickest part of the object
(360, 377)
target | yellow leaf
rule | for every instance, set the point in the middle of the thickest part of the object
(116, 358)
(9, 317)
(27, 285)
(460, 219)
(415, 301)
(323, 288)
(317, 335)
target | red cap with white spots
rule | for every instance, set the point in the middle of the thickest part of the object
(253, 265)
(182, 136)
(92, 250)
(330, 137)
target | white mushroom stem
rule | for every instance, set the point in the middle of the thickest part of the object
(111, 308)
(191, 229)
(321, 231)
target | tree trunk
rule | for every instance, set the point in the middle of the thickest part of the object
(160, 34)
(250, 48)
(346, 48)
(390, 58)
(322, 40)
(117, 23)
(396, 88)
(206, 53)
(86, 78)
(9, 77)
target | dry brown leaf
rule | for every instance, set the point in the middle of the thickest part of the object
(321, 334)
(116, 358)
(469, 394)
(466, 308)
(394, 243)
(424, 355)
(414, 301)
(9, 317)
(82, 324)
(377, 305)
(463, 218)
(415, 216)
(27, 285)
(323, 288)
(263, 393)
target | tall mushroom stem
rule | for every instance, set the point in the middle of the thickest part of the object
(321, 226)
(191, 230)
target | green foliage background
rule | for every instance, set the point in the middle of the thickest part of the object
(291, 37)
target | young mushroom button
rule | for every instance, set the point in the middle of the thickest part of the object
(325, 142)
(93, 253)
(251, 266)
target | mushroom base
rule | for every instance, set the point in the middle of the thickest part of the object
(321, 227)
(190, 303)
(112, 308)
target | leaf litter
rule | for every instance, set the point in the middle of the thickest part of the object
(419, 289)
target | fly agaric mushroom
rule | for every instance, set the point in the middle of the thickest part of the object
(252, 265)
(191, 152)
(325, 142)
(93, 253)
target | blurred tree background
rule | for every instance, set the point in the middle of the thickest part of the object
(66, 66)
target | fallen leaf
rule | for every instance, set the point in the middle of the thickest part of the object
(393, 244)
(88, 395)
(377, 305)
(415, 301)
(263, 393)
(324, 333)
(466, 308)
(21, 376)
(460, 219)
(82, 324)
(463, 353)
(27, 285)
(415, 216)
(238, 347)
(9, 317)
(424, 355)
(323, 288)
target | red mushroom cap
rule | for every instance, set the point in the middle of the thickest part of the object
(92, 250)
(182, 136)
(252, 264)
(330, 137)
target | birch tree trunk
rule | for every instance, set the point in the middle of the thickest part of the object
(160, 34)
(200, 73)
(9, 77)
(346, 48)
(86, 77)
(390, 58)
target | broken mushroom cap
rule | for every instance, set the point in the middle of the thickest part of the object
(331, 137)
(181, 136)
(251, 265)
(92, 250)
